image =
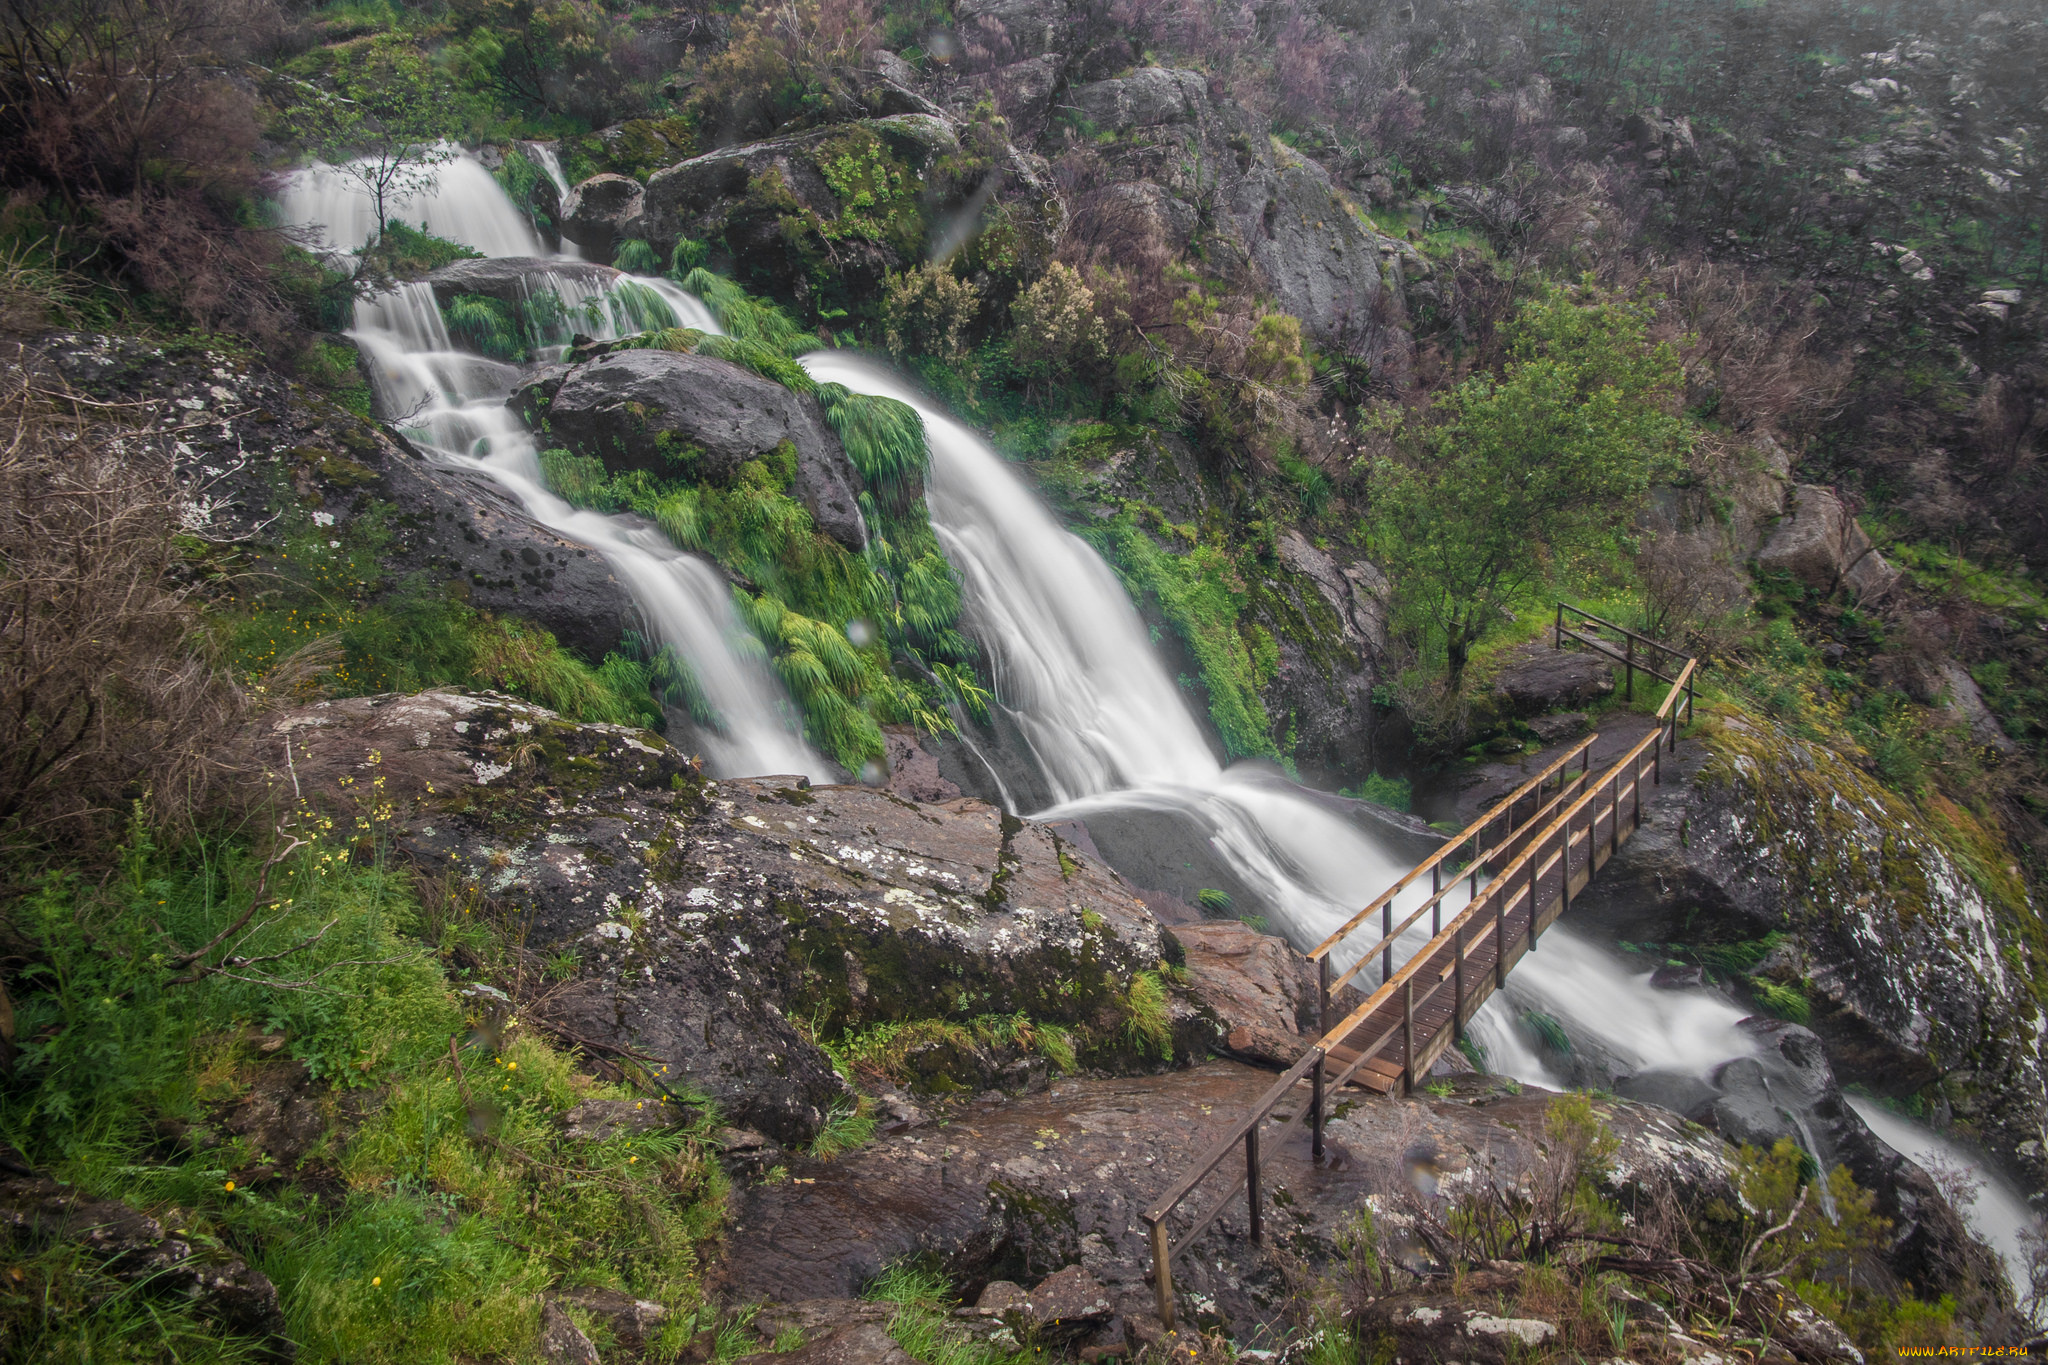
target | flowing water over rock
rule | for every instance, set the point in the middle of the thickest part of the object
(1105, 722)
(453, 404)
(465, 205)
(1998, 1213)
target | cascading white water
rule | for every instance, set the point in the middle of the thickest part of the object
(1075, 668)
(453, 404)
(465, 205)
(1598, 1000)
(1998, 1214)
(549, 160)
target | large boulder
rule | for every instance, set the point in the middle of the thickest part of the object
(284, 459)
(707, 916)
(696, 417)
(1819, 544)
(510, 279)
(1261, 991)
(1537, 679)
(1910, 973)
(770, 211)
(602, 212)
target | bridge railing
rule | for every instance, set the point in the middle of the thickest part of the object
(1533, 865)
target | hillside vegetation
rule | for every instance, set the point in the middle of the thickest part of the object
(1353, 335)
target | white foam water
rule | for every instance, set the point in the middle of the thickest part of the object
(1998, 1213)
(1600, 1001)
(1074, 667)
(464, 205)
(453, 404)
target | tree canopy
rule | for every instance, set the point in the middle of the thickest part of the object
(1473, 501)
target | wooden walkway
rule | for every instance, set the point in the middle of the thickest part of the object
(1501, 882)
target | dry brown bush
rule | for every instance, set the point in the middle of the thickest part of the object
(122, 117)
(106, 694)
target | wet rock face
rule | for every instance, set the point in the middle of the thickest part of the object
(1332, 649)
(257, 445)
(1787, 1090)
(694, 417)
(1899, 953)
(1038, 1187)
(698, 912)
(507, 278)
(36, 1211)
(600, 212)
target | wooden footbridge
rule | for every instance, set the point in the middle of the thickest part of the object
(1500, 883)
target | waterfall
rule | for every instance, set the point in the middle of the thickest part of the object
(549, 160)
(1602, 1004)
(1074, 667)
(1999, 1213)
(464, 205)
(453, 404)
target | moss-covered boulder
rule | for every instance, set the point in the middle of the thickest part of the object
(274, 457)
(817, 217)
(1901, 930)
(724, 929)
(677, 415)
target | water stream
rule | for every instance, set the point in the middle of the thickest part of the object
(1073, 665)
(452, 404)
(1075, 669)
(1998, 1214)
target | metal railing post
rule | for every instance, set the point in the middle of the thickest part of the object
(1532, 900)
(1557, 641)
(1322, 995)
(1387, 953)
(1162, 1273)
(1500, 946)
(1564, 862)
(1251, 1182)
(1322, 1029)
(1614, 817)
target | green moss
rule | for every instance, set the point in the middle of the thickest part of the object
(321, 618)
(1201, 591)
(433, 1233)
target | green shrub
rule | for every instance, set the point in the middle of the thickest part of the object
(1787, 1002)
(1148, 1026)
(1213, 901)
(747, 318)
(884, 438)
(1395, 793)
(485, 325)
(636, 257)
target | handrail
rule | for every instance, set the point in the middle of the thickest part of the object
(1626, 657)
(1659, 645)
(1548, 851)
(1451, 846)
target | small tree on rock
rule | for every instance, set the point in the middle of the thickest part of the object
(1479, 499)
(382, 126)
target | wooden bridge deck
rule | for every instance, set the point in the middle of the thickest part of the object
(1522, 863)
